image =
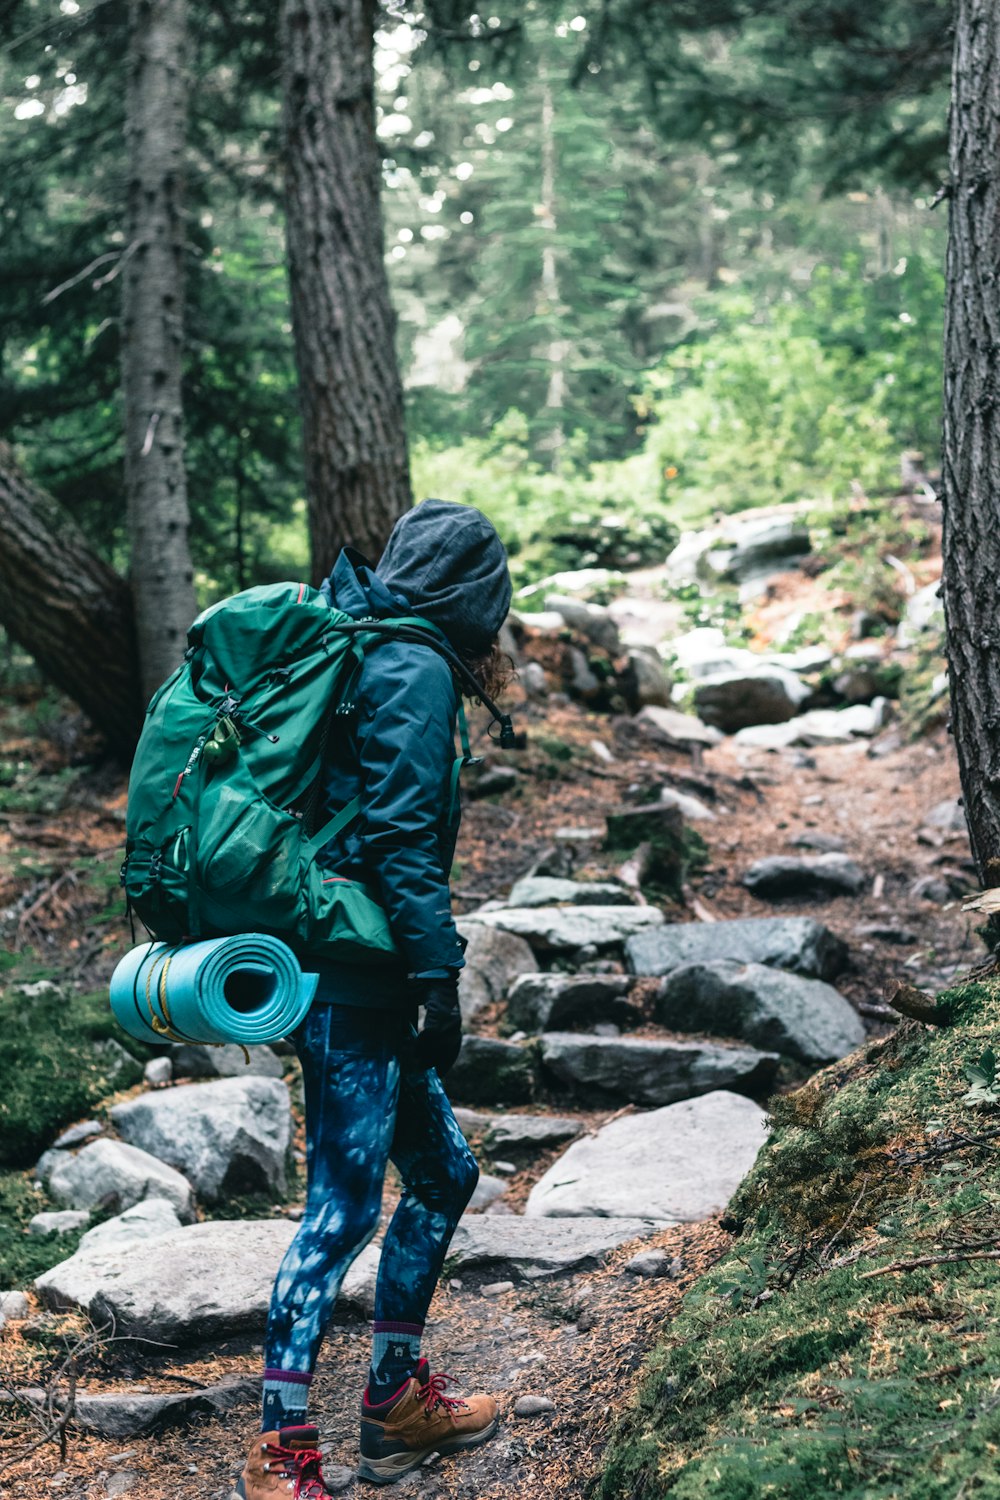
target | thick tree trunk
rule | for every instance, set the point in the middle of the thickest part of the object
(153, 329)
(67, 608)
(356, 463)
(972, 424)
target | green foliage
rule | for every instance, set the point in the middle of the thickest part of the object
(602, 516)
(982, 1076)
(24, 1256)
(55, 1063)
(789, 1373)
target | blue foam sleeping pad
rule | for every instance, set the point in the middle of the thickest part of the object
(247, 989)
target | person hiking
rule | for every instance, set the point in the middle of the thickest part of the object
(372, 1083)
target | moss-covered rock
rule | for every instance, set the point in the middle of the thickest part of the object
(60, 1054)
(791, 1372)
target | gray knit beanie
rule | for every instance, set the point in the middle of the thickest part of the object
(449, 562)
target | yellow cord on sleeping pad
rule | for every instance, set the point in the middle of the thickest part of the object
(165, 1026)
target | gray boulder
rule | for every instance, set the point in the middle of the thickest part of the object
(784, 876)
(555, 1002)
(228, 1137)
(490, 1071)
(820, 726)
(802, 1018)
(673, 727)
(493, 960)
(636, 1070)
(193, 1060)
(517, 1133)
(566, 929)
(120, 1414)
(110, 1172)
(734, 700)
(14, 1306)
(795, 943)
(158, 1071)
(204, 1282)
(677, 1164)
(144, 1221)
(647, 679)
(527, 1250)
(591, 621)
(546, 890)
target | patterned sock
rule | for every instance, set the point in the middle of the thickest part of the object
(286, 1396)
(395, 1356)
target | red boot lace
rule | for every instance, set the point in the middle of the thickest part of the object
(302, 1465)
(432, 1394)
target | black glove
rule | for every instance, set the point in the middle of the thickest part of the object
(440, 1038)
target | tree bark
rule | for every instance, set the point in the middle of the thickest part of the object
(971, 447)
(67, 608)
(161, 574)
(351, 395)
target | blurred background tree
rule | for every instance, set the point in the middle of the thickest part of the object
(651, 261)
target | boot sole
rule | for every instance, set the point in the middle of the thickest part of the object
(397, 1465)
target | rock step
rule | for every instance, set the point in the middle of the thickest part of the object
(674, 1165)
(194, 1284)
(796, 943)
(601, 1070)
(529, 1249)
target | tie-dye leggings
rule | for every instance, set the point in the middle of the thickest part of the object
(364, 1107)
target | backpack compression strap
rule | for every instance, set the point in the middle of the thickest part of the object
(420, 632)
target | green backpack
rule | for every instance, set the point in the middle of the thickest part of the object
(227, 775)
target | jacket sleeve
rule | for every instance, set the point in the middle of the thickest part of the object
(406, 724)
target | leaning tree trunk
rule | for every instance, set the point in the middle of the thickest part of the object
(971, 459)
(356, 464)
(153, 331)
(67, 608)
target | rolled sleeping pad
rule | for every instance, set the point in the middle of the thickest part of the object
(248, 989)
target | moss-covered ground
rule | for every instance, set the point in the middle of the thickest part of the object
(801, 1365)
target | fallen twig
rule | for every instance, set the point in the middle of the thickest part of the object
(931, 1260)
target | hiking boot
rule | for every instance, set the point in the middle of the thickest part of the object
(419, 1420)
(285, 1463)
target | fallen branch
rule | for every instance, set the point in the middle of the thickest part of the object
(917, 1004)
(931, 1260)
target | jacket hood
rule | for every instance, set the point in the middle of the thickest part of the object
(448, 564)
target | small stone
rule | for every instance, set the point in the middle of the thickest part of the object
(505, 1166)
(824, 843)
(59, 1221)
(76, 1135)
(122, 1483)
(533, 679)
(337, 1477)
(486, 1191)
(533, 1406)
(650, 1263)
(158, 1071)
(14, 1306)
(497, 1288)
(456, 1283)
(493, 781)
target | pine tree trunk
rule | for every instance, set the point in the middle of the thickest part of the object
(153, 328)
(67, 608)
(972, 425)
(356, 462)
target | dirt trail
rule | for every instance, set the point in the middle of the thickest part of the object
(579, 1341)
